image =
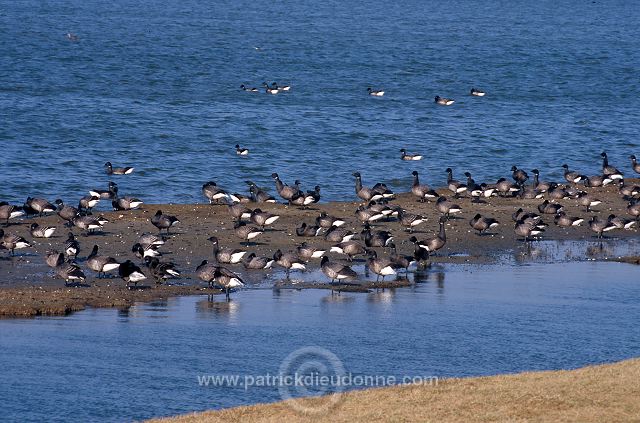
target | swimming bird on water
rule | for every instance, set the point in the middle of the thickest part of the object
(409, 157)
(336, 271)
(422, 191)
(110, 170)
(131, 273)
(482, 223)
(444, 101)
(269, 89)
(101, 264)
(476, 92)
(375, 93)
(12, 242)
(241, 151)
(8, 211)
(38, 231)
(248, 89)
(163, 221)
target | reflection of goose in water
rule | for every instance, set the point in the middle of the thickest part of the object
(207, 307)
(337, 298)
(382, 296)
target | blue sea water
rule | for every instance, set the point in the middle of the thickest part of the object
(110, 365)
(155, 85)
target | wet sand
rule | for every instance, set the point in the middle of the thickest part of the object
(27, 286)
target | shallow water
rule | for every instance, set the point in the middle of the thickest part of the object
(156, 87)
(460, 321)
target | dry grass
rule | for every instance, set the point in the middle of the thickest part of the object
(592, 394)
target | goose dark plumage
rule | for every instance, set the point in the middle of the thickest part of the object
(519, 175)
(307, 252)
(12, 242)
(454, 186)
(66, 213)
(71, 246)
(599, 226)
(38, 206)
(263, 219)
(609, 170)
(549, 208)
(571, 176)
(380, 266)
(305, 230)
(226, 255)
(285, 191)
(110, 170)
(325, 221)
(253, 262)
(634, 164)
(446, 207)
(258, 195)
(38, 231)
(130, 273)
(436, 243)
(214, 194)
(288, 261)
(422, 191)
(350, 249)
(482, 223)
(377, 238)
(246, 232)
(163, 221)
(561, 219)
(365, 193)
(336, 271)
(101, 264)
(161, 271)
(70, 272)
(338, 234)
(8, 211)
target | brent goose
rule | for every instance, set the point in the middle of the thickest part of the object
(588, 201)
(130, 273)
(285, 191)
(380, 266)
(251, 261)
(288, 261)
(557, 192)
(599, 226)
(597, 181)
(258, 195)
(527, 229)
(482, 224)
(248, 89)
(39, 206)
(377, 238)
(246, 232)
(400, 261)
(213, 193)
(269, 89)
(71, 246)
(307, 252)
(101, 264)
(105, 194)
(564, 221)
(337, 234)
(70, 272)
(87, 203)
(365, 193)
(163, 221)
(422, 191)
(444, 101)
(368, 215)
(420, 255)
(634, 209)
(571, 176)
(621, 222)
(226, 255)
(505, 187)
(239, 211)
(72, 37)
(519, 175)
(474, 189)
(349, 248)
(38, 231)
(12, 242)
(409, 220)
(307, 230)
(280, 87)
(476, 92)
(53, 258)
(433, 244)
(336, 271)
(241, 151)
(8, 211)
(549, 208)
(446, 207)
(409, 157)
(147, 240)
(609, 170)
(161, 271)
(87, 223)
(634, 164)
(126, 203)
(375, 93)
(67, 213)
(110, 170)
(262, 219)
(540, 186)
(326, 221)
(454, 186)
(144, 251)
(628, 190)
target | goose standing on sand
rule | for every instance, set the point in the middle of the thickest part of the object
(307, 230)
(422, 191)
(420, 255)
(474, 189)
(8, 211)
(477, 93)
(147, 240)
(375, 93)
(609, 170)
(71, 246)
(239, 211)
(87, 223)
(161, 271)
(126, 203)
(634, 164)
(434, 244)
(67, 213)
(253, 262)
(39, 206)
(454, 186)
(597, 181)
(241, 151)
(446, 207)
(565, 221)
(571, 176)
(101, 264)
(53, 258)
(213, 193)
(12, 242)
(634, 209)
(365, 193)
(285, 191)
(336, 271)
(226, 255)
(144, 251)
(70, 272)
(380, 266)
(620, 222)
(263, 219)
(338, 234)
(377, 238)
(368, 215)
(628, 190)
(505, 187)
(585, 199)
(481, 223)
(307, 252)
(38, 231)
(599, 226)
(130, 273)
(110, 170)
(288, 261)
(163, 221)
(258, 195)
(444, 101)
(519, 175)
(549, 208)
(409, 157)
(87, 203)
(527, 229)
(350, 249)
(326, 221)
(246, 232)
(540, 186)
(409, 220)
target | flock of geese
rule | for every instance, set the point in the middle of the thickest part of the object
(377, 206)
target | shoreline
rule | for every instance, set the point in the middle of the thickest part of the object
(28, 289)
(595, 393)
